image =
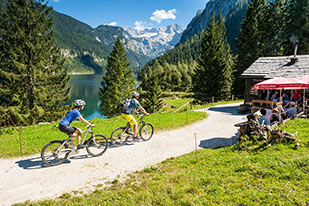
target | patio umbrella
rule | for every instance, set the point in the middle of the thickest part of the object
(304, 78)
(282, 83)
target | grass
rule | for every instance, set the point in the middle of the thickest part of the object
(178, 102)
(36, 136)
(236, 175)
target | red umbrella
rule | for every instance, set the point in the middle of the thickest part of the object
(304, 78)
(282, 83)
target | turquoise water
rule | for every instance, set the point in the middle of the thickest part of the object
(86, 87)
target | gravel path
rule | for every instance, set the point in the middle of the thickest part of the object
(27, 178)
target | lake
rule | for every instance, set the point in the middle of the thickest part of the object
(86, 87)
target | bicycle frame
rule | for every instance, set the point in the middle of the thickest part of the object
(85, 132)
(140, 122)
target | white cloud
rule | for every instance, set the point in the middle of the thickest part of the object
(112, 23)
(159, 15)
(140, 25)
(56, 1)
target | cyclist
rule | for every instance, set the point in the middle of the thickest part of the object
(64, 125)
(128, 115)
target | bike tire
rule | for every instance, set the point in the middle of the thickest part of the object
(48, 155)
(97, 145)
(119, 137)
(146, 131)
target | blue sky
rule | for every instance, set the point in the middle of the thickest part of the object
(131, 13)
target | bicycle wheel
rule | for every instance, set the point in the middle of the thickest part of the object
(119, 136)
(55, 153)
(97, 145)
(146, 131)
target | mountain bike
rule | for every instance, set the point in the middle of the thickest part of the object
(122, 134)
(57, 151)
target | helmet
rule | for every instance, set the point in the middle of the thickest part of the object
(79, 102)
(135, 94)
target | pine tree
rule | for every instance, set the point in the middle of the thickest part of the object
(118, 82)
(250, 43)
(33, 84)
(152, 96)
(213, 74)
(150, 87)
(273, 27)
(298, 25)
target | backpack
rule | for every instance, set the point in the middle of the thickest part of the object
(124, 106)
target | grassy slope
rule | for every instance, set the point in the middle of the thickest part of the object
(245, 174)
(36, 136)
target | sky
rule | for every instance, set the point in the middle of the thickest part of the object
(131, 13)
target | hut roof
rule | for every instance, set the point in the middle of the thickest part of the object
(284, 66)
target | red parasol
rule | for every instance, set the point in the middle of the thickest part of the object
(282, 83)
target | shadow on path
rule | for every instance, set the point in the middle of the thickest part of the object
(218, 142)
(31, 163)
(37, 163)
(227, 109)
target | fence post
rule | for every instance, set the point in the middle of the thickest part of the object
(20, 148)
(213, 99)
(195, 147)
(233, 97)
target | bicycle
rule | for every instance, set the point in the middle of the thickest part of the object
(121, 134)
(57, 151)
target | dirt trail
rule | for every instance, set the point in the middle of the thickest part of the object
(27, 178)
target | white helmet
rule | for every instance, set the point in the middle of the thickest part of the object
(135, 94)
(79, 102)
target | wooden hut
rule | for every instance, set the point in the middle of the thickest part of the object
(270, 67)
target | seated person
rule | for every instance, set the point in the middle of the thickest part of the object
(264, 119)
(285, 98)
(290, 109)
(281, 110)
(275, 97)
(276, 117)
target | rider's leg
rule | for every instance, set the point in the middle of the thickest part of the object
(135, 130)
(78, 132)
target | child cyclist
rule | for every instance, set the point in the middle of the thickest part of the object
(128, 115)
(64, 125)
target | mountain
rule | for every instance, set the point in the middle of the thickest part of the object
(146, 43)
(232, 11)
(86, 49)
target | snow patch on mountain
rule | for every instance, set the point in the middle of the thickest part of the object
(153, 42)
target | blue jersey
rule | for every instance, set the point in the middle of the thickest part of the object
(70, 117)
(133, 104)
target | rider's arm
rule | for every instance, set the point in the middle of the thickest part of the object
(85, 121)
(143, 110)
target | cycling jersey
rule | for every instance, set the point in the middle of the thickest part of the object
(133, 104)
(70, 117)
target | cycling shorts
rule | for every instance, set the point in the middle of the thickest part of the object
(129, 118)
(67, 129)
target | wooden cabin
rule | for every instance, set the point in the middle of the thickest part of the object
(270, 67)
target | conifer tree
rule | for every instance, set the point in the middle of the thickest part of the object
(118, 82)
(273, 27)
(33, 84)
(152, 96)
(250, 43)
(298, 26)
(213, 74)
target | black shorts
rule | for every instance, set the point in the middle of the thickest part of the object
(67, 129)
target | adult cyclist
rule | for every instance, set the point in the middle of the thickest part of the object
(134, 103)
(64, 125)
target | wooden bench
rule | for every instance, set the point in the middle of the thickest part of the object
(259, 103)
